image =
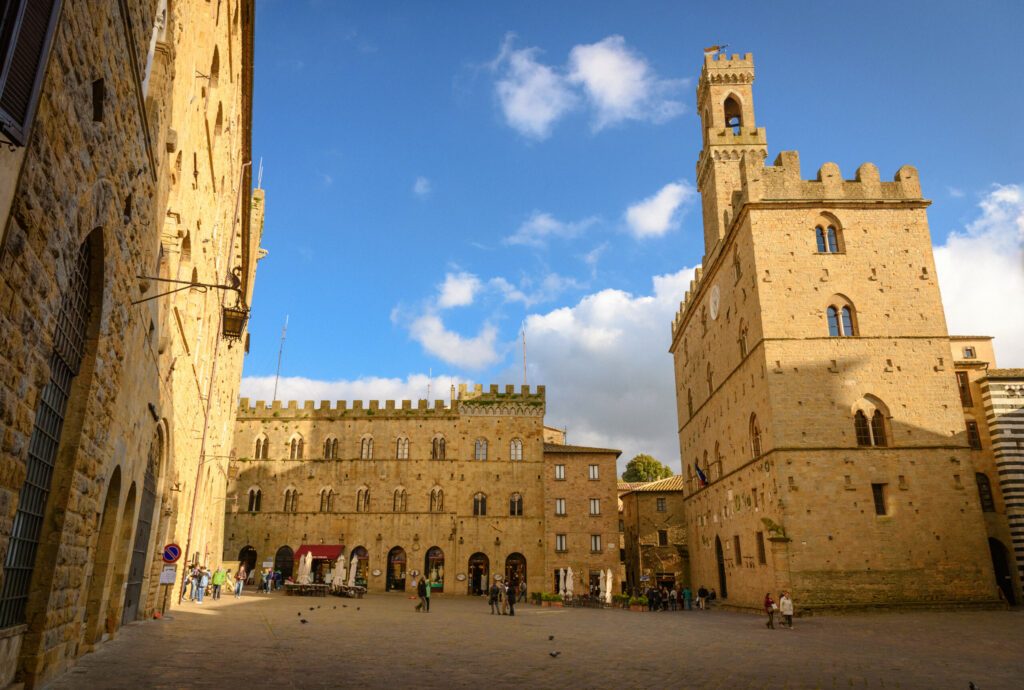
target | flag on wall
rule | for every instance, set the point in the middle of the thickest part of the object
(701, 476)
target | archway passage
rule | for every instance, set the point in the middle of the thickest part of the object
(395, 581)
(479, 566)
(360, 560)
(723, 590)
(433, 568)
(102, 560)
(1001, 566)
(133, 590)
(247, 560)
(284, 561)
(515, 568)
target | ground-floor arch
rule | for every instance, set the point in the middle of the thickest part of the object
(102, 560)
(433, 568)
(395, 580)
(515, 568)
(284, 560)
(479, 567)
(247, 560)
(723, 589)
(360, 560)
(1001, 566)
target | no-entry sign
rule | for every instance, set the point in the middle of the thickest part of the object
(172, 552)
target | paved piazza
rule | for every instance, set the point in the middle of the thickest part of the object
(260, 641)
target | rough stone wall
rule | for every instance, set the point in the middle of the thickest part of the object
(107, 180)
(808, 489)
(578, 525)
(645, 556)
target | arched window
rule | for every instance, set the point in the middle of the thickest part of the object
(842, 319)
(689, 403)
(710, 380)
(755, 437)
(330, 500)
(819, 237)
(988, 504)
(827, 239)
(218, 125)
(479, 504)
(480, 449)
(366, 448)
(743, 339)
(860, 426)
(831, 238)
(399, 501)
(326, 500)
(291, 500)
(215, 68)
(878, 428)
(363, 500)
(515, 449)
(334, 449)
(330, 448)
(296, 448)
(733, 114)
(255, 498)
(436, 500)
(402, 449)
(437, 450)
(259, 448)
(515, 505)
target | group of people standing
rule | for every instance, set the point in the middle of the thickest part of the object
(784, 607)
(674, 598)
(201, 581)
(502, 597)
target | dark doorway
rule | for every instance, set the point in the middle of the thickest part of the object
(396, 570)
(284, 560)
(478, 569)
(247, 559)
(515, 568)
(133, 589)
(1001, 566)
(433, 568)
(723, 590)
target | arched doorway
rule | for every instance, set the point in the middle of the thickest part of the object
(284, 560)
(515, 568)
(433, 568)
(723, 590)
(1001, 566)
(360, 560)
(479, 566)
(133, 591)
(395, 581)
(119, 569)
(102, 560)
(247, 560)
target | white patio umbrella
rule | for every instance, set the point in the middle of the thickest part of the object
(601, 584)
(309, 567)
(608, 591)
(561, 581)
(352, 571)
(339, 571)
(568, 581)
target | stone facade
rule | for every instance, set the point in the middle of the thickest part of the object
(105, 426)
(416, 488)
(814, 383)
(655, 535)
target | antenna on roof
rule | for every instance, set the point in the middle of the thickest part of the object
(430, 375)
(524, 354)
(280, 350)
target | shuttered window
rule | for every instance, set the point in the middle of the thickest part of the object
(26, 29)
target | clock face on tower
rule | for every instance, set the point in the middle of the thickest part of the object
(716, 298)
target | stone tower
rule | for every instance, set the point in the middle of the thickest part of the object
(813, 382)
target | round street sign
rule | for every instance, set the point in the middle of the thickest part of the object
(172, 552)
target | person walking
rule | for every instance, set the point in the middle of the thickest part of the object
(687, 599)
(522, 589)
(239, 581)
(428, 588)
(673, 599)
(421, 592)
(203, 580)
(493, 598)
(197, 574)
(702, 597)
(769, 609)
(786, 610)
(510, 598)
(217, 581)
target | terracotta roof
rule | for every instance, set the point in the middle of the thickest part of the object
(560, 448)
(674, 483)
(629, 486)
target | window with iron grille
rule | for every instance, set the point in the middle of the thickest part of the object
(762, 557)
(660, 503)
(68, 349)
(964, 386)
(662, 537)
(973, 436)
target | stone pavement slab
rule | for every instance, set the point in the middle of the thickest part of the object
(379, 641)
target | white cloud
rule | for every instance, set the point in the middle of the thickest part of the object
(955, 192)
(422, 187)
(656, 215)
(621, 85)
(299, 388)
(530, 292)
(532, 95)
(472, 353)
(540, 227)
(606, 366)
(458, 290)
(981, 274)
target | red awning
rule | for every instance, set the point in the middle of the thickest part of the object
(328, 551)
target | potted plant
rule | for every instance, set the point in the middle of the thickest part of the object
(621, 600)
(535, 598)
(551, 599)
(638, 603)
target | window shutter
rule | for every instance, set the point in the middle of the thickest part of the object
(23, 61)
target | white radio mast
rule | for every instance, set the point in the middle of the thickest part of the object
(280, 350)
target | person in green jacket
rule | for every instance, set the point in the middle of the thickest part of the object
(218, 582)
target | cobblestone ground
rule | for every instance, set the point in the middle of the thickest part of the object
(379, 641)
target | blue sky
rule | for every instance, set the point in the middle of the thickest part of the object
(439, 173)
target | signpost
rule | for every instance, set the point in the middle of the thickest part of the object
(172, 552)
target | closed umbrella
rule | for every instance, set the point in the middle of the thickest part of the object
(562, 582)
(353, 568)
(601, 584)
(608, 591)
(339, 571)
(568, 582)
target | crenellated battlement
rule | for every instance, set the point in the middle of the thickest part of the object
(259, 409)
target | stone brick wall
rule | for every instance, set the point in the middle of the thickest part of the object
(645, 555)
